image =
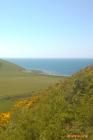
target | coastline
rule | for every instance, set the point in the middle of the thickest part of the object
(53, 67)
(44, 72)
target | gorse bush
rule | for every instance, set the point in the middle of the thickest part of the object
(60, 112)
(4, 118)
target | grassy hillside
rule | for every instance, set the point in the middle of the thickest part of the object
(16, 82)
(59, 113)
(8, 67)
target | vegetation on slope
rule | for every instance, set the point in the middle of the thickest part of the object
(59, 113)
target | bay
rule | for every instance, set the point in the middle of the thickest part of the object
(64, 67)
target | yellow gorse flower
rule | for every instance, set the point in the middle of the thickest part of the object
(27, 102)
(4, 117)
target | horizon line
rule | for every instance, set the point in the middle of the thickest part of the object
(42, 58)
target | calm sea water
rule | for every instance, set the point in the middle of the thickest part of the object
(54, 66)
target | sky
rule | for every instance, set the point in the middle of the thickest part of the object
(46, 28)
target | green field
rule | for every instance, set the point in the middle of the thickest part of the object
(16, 83)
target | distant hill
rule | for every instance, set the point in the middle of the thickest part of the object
(59, 113)
(9, 69)
(8, 66)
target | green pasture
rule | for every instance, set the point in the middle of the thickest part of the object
(15, 83)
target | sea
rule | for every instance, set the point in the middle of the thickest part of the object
(65, 67)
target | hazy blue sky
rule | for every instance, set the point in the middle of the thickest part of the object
(46, 28)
